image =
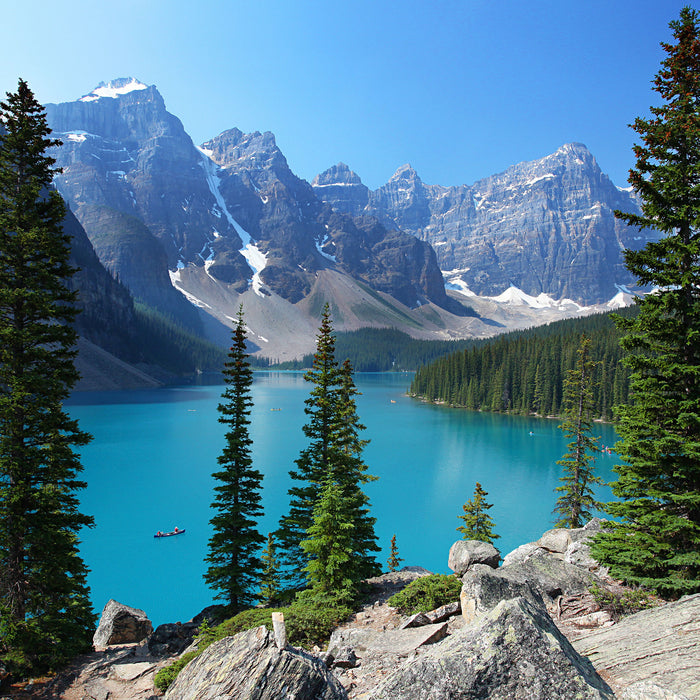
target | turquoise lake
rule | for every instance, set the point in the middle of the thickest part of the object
(149, 468)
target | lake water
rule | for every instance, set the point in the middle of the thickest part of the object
(149, 468)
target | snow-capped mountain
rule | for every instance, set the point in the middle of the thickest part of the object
(545, 226)
(189, 230)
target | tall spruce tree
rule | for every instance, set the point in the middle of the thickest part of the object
(478, 524)
(313, 461)
(656, 541)
(351, 474)
(334, 451)
(576, 490)
(235, 568)
(45, 612)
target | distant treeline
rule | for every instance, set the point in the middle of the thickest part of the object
(379, 350)
(163, 342)
(523, 371)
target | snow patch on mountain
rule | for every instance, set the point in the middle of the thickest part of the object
(114, 89)
(516, 297)
(255, 258)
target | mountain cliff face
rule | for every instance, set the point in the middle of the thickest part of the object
(545, 226)
(181, 224)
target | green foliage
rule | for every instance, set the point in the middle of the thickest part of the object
(478, 524)
(45, 612)
(163, 342)
(334, 453)
(426, 593)
(166, 676)
(625, 601)
(394, 559)
(381, 350)
(329, 544)
(576, 498)
(655, 539)
(308, 623)
(234, 567)
(523, 372)
(270, 577)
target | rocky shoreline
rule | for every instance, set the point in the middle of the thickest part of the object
(527, 629)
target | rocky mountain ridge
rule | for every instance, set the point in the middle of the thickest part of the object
(192, 230)
(196, 231)
(545, 226)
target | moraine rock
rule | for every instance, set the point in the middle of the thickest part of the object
(250, 666)
(660, 646)
(120, 624)
(466, 553)
(515, 652)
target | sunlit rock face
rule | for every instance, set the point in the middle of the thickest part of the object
(154, 204)
(545, 226)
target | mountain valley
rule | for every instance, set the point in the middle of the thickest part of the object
(194, 232)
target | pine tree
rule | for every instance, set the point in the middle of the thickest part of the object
(270, 578)
(656, 541)
(577, 498)
(350, 472)
(45, 612)
(334, 451)
(394, 559)
(478, 524)
(329, 544)
(313, 462)
(235, 568)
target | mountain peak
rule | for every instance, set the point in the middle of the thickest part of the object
(114, 89)
(405, 172)
(339, 174)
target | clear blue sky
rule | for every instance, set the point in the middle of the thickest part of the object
(459, 89)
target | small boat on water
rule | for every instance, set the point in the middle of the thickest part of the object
(176, 531)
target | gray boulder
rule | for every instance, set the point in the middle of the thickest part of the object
(250, 666)
(120, 624)
(556, 540)
(483, 588)
(515, 652)
(550, 576)
(541, 579)
(522, 553)
(171, 638)
(466, 553)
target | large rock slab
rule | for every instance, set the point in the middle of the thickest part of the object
(514, 652)
(466, 553)
(399, 642)
(483, 588)
(660, 646)
(120, 624)
(550, 576)
(249, 666)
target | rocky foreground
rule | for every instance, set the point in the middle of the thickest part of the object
(528, 629)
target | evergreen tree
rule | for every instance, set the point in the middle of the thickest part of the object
(313, 461)
(576, 499)
(478, 524)
(235, 568)
(45, 612)
(656, 541)
(270, 579)
(351, 473)
(329, 544)
(394, 559)
(335, 452)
